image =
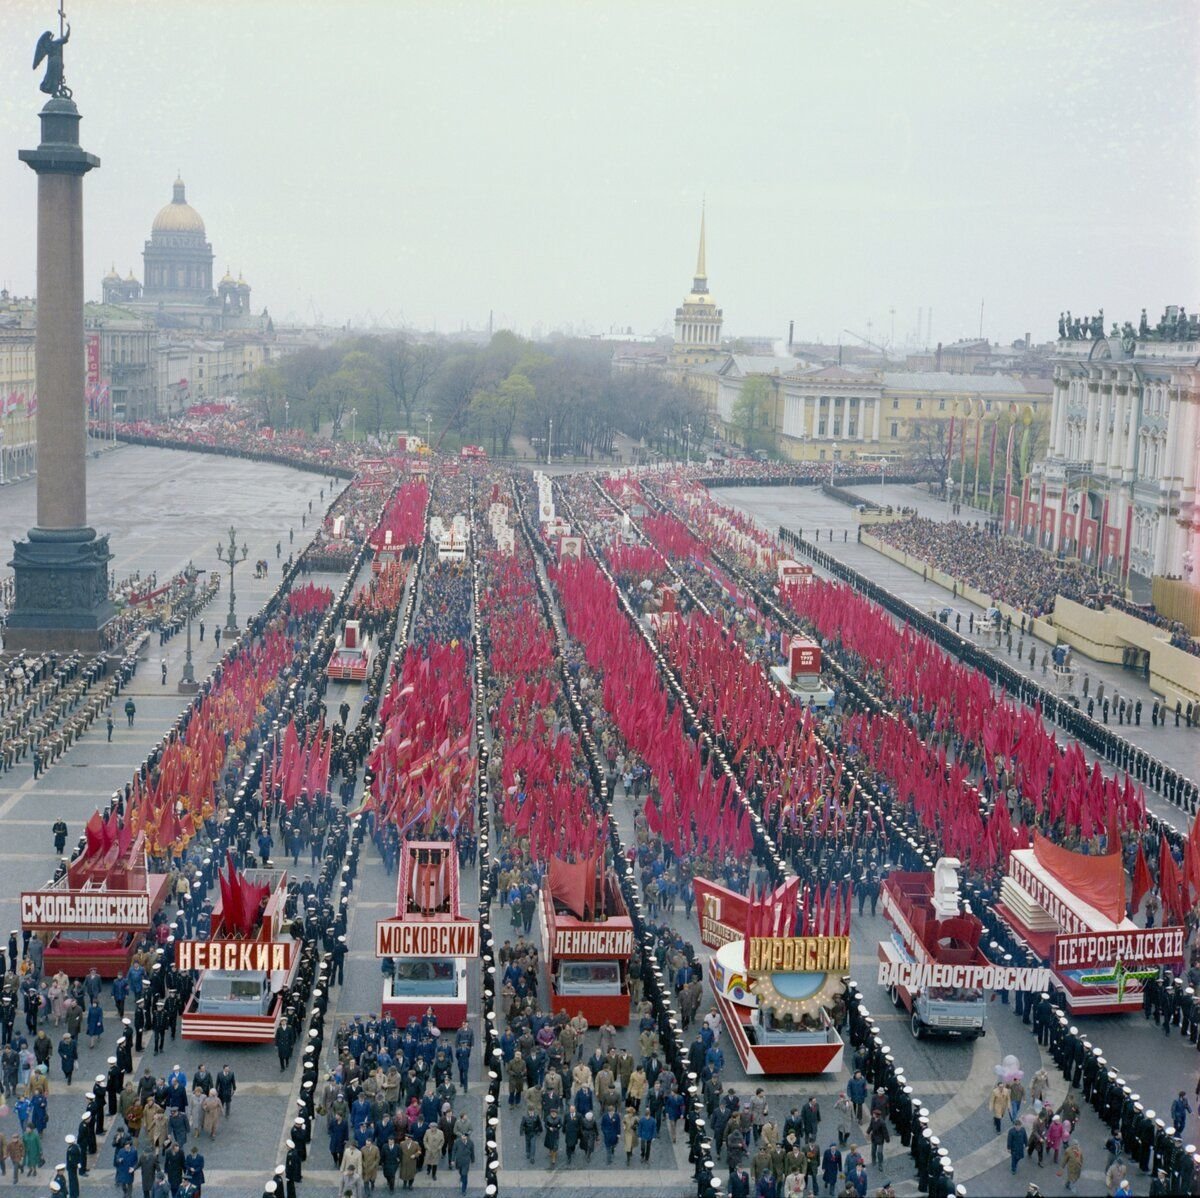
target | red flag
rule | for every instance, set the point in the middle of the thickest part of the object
(1191, 856)
(570, 883)
(1142, 881)
(95, 835)
(1169, 884)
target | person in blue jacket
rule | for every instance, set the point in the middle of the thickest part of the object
(647, 1132)
(120, 992)
(610, 1130)
(95, 1023)
(339, 1136)
(193, 1167)
(125, 1163)
(676, 1104)
(68, 1054)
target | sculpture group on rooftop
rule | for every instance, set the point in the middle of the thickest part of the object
(1175, 325)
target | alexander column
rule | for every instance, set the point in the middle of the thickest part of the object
(62, 568)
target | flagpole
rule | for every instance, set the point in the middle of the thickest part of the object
(978, 430)
(992, 469)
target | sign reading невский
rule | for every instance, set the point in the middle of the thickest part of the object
(235, 956)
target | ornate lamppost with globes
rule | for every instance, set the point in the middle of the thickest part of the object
(187, 682)
(229, 555)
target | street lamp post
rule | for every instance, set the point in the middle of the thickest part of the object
(286, 415)
(187, 683)
(353, 417)
(428, 429)
(550, 442)
(949, 494)
(833, 463)
(687, 445)
(229, 555)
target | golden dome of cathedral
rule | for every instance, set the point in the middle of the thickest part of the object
(178, 216)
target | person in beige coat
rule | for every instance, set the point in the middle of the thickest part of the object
(629, 1132)
(370, 1164)
(638, 1085)
(352, 1159)
(433, 1143)
(998, 1105)
(211, 1112)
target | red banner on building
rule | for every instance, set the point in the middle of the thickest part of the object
(1029, 520)
(1012, 515)
(1087, 539)
(1112, 548)
(1047, 527)
(92, 342)
(1067, 539)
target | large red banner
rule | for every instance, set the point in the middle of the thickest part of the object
(721, 912)
(1029, 520)
(1068, 530)
(1087, 539)
(1012, 515)
(1047, 527)
(1112, 548)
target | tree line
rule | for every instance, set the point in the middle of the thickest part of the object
(486, 394)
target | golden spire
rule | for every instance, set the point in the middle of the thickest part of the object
(701, 271)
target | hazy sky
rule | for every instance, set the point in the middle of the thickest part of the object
(426, 162)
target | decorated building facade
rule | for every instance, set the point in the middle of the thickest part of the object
(1119, 482)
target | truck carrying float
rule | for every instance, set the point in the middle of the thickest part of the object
(247, 963)
(93, 916)
(780, 994)
(425, 947)
(588, 938)
(1070, 909)
(351, 657)
(932, 962)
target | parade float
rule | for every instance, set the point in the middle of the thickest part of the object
(800, 673)
(932, 965)
(425, 947)
(247, 963)
(351, 657)
(780, 993)
(401, 525)
(661, 608)
(1070, 909)
(792, 573)
(588, 938)
(94, 914)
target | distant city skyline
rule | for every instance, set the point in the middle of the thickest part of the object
(425, 165)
